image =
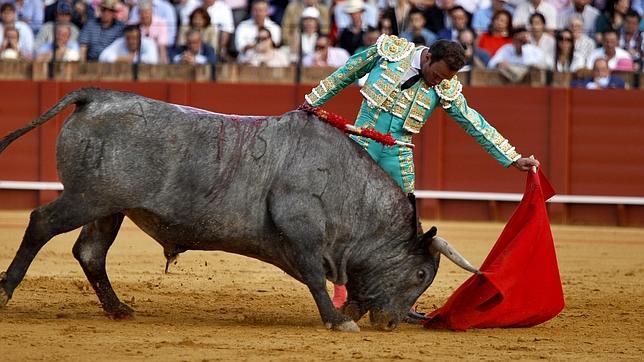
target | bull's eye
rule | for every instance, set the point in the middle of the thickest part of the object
(421, 275)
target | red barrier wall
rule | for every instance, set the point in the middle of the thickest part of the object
(588, 141)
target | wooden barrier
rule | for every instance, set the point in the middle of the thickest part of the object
(588, 141)
(240, 73)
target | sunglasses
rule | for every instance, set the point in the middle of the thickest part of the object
(263, 38)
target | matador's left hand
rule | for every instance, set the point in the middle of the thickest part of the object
(526, 163)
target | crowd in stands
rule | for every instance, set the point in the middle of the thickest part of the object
(508, 35)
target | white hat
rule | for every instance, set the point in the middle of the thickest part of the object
(311, 12)
(353, 6)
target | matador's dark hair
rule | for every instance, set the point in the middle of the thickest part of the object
(452, 53)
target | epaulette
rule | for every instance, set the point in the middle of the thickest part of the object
(448, 90)
(393, 48)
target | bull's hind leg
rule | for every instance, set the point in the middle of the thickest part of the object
(91, 251)
(64, 214)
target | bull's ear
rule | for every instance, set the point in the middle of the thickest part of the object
(429, 235)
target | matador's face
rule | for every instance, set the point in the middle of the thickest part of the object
(434, 73)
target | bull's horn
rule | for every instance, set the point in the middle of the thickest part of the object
(440, 245)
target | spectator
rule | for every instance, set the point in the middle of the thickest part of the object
(475, 57)
(539, 37)
(154, 28)
(343, 19)
(239, 9)
(514, 60)
(399, 13)
(162, 9)
(184, 8)
(584, 45)
(350, 38)
(471, 6)
(221, 17)
(97, 34)
(630, 37)
(385, 26)
(25, 36)
(583, 9)
(559, 5)
(529, 7)
(80, 12)
(602, 78)
(369, 38)
(498, 34)
(612, 18)
(277, 8)
(445, 6)
(311, 27)
(31, 12)
(131, 48)
(417, 24)
(459, 19)
(264, 52)
(434, 15)
(10, 45)
(293, 15)
(566, 58)
(483, 17)
(200, 21)
(613, 54)
(67, 49)
(122, 13)
(63, 16)
(246, 34)
(195, 51)
(325, 55)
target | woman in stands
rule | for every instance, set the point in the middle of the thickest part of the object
(566, 59)
(498, 34)
(200, 21)
(264, 52)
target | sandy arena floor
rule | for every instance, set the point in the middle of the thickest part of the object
(218, 306)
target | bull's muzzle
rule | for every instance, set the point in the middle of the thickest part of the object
(383, 320)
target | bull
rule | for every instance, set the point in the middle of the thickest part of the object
(290, 190)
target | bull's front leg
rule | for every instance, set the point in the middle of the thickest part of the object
(331, 317)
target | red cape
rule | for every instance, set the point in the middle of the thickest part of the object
(520, 284)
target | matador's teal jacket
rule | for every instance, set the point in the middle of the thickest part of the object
(402, 113)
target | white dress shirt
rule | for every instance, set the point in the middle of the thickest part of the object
(523, 11)
(531, 55)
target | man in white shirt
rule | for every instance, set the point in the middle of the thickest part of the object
(524, 10)
(519, 54)
(613, 54)
(246, 34)
(126, 48)
(585, 10)
(164, 10)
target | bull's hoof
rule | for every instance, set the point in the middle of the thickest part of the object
(348, 326)
(4, 296)
(352, 311)
(122, 311)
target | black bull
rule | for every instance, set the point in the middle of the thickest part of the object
(290, 190)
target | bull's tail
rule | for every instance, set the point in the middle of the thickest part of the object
(77, 97)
